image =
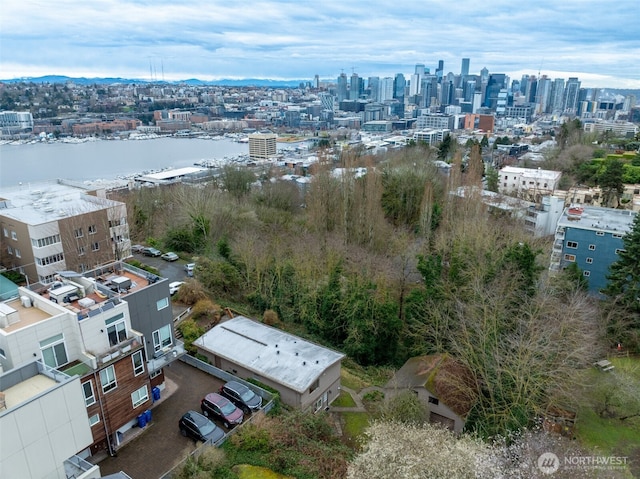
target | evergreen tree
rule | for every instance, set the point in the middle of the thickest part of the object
(611, 182)
(624, 274)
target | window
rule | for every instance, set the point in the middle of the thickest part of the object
(92, 229)
(155, 374)
(95, 246)
(140, 396)
(55, 258)
(592, 247)
(616, 235)
(572, 244)
(9, 250)
(14, 236)
(586, 273)
(5, 232)
(18, 253)
(87, 389)
(162, 338)
(50, 278)
(138, 363)
(162, 303)
(505, 185)
(599, 233)
(619, 250)
(49, 240)
(54, 353)
(93, 420)
(433, 400)
(78, 233)
(589, 260)
(3, 354)
(314, 386)
(570, 257)
(80, 250)
(108, 379)
(318, 405)
(116, 329)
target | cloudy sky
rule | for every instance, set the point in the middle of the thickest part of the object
(598, 41)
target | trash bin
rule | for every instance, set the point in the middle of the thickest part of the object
(147, 415)
(156, 393)
(142, 420)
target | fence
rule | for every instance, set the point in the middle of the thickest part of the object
(225, 376)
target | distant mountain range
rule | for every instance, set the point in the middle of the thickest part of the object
(191, 81)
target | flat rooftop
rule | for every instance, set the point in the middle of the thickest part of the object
(599, 219)
(269, 352)
(38, 203)
(27, 389)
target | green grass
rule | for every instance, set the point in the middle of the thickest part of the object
(344, 400)
(355, 424)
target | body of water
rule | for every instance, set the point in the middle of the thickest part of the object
(107, 159)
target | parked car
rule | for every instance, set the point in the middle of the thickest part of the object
(241, 396)
(170, 256)
(151, 252)
(214, 405)
(174, 287)
(198, 427)
(189, 267)
(137, 248)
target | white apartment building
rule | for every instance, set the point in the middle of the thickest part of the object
(528, 182)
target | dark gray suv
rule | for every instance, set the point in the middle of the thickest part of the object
(241, 396)
(195, 425)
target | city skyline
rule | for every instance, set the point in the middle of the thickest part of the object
(282, 39)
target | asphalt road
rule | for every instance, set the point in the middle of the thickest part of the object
(172, 270)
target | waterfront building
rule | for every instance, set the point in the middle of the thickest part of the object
(262, 146)
(15, 122)
(53, 226)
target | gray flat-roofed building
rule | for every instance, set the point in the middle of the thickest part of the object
(305, 374)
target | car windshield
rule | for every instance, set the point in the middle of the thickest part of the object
(206, 427)
(247, 395)
(227, 408)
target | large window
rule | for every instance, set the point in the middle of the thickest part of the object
(92, 229)
(162, 337)
(93, 420)
(116, 329)
(570, 257)
(572, 244)
(54, 353)
(140, 396)
(138, 363)
(89, 397)
(108, 379)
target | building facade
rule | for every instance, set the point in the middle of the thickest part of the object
(50, 227)
(262, 146)
(590, 237)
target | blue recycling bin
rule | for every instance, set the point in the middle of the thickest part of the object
(156, 393)
(142, 420)
(147, 415)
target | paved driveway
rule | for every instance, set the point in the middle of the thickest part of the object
(172, 270)
(161, 446)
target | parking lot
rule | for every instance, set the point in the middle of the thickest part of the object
(161, 446)
(172, 270)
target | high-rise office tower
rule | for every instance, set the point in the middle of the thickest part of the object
(497, 82)
(464, 69)
(420, 69)
(571, 94)
(327, 101)
(316, 82)
(428, 89)
(530, 91)
(354, 87)
(543, 95)
(373, 84)
(557, 95)
(440, 70)
(414, 85)
(342, 87)
(484, 75)
(386, 89)
(399, 85)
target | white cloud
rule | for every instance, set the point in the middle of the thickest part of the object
(597, 41)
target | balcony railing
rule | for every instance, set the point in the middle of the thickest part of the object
(133, 341)
(165, 357)
(77, 468)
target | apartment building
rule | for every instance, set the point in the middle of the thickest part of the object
(112, 328)
(528, 182)
(51, 226)
(591, 237)
(43, 425)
